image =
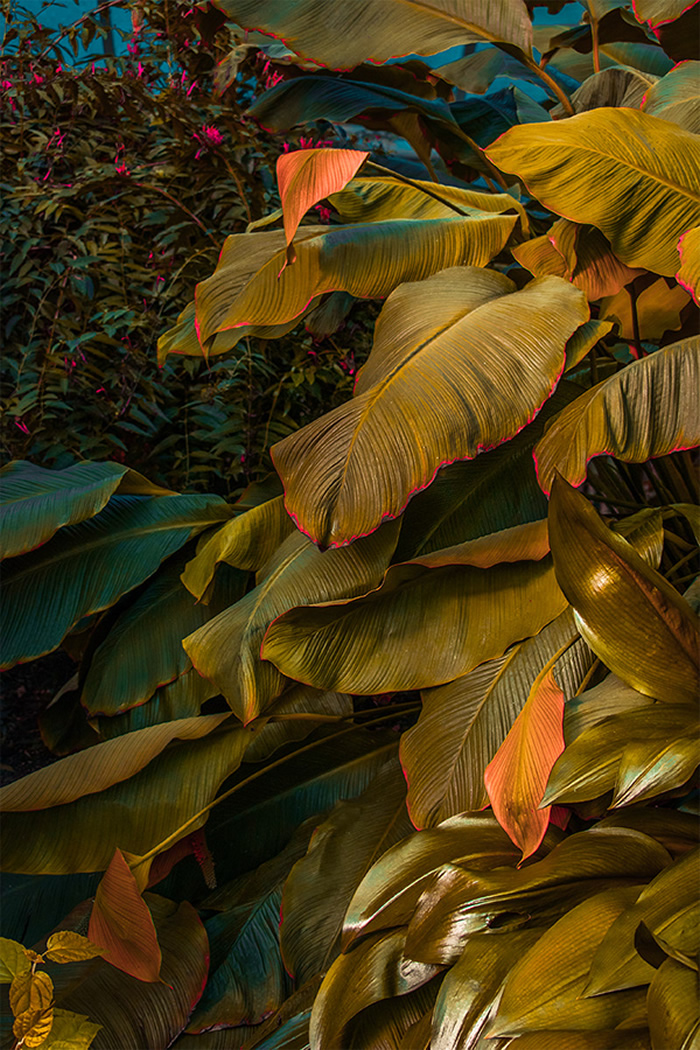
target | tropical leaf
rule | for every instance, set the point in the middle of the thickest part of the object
(476, 72)
(143, 651)
(517, 775)
(565, 1039)
(669, 908)
(246, 542)
(371, 459)
(121, 924)
(485, 118)
(298, 700)
(134, 815)
(321, 884)
(600, 422)
(227, 649)
(305, 177)
(67, 946)
(400, 1022)
(70, 1031)
(658, 310)
(342, 38)
(611, 697)
(617, 86)
(368, 261)
(672, 1005)
(374, 970)
(689, 272)
(649, 768)
(460, 901)
(36, 502)
(462, 724)
(631, 617)
(85, 567)
(388, 894)
(649, 166)
(658, 12)
(676, 97)
(182, 698)
(544, 987)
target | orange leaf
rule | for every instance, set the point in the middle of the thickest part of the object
(307, 176)
(517, 775)
(121, 923)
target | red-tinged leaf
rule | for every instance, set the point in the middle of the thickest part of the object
(121, 923)
(195, 843)
(517, 776)
(307, 176)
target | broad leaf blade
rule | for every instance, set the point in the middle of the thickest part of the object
(121, 923)
(672, 1003)
(689, 272)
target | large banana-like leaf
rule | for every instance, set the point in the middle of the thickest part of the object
(132, 1013)
(617, 86)
(388, 894)
(321, 884)
(379, 199)
(227, 649)
(35, 502)
(669, 908)
(485, 118)
(143, 650)
(182, 698)
(658, 12)
(689, 273)
(299, 700)
(368, 261)
(246, 542)
(611, 697)
(305, 177)
(460, 363)
(648, 409)
(134, 815)
(631, 617)
(459, 902)
(342, 36)
(676, 97)
(543, 989)
(648, 166)
(476, 72)
(658, 310)
(672, 1004)
(564, 1039)
(122, 925)
(85, 567)
(376, 969)
(648, 768)
(424, 626)
(399, 1022)
(472, 986)
(462, 724)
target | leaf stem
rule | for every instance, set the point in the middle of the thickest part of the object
(551, 84)
(596, 45)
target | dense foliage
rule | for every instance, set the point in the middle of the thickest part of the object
(430, 688)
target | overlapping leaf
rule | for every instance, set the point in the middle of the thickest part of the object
(649, 409)
(659, 12)
(121, 924)
(676, 97)
(672, 1005)
(649, 167)
(631, 617)
(342, 37)
(689, 273)
(85, 567)
(182, 698)
(443, 382)
(658, 310)
(617, 86)
(227, 649)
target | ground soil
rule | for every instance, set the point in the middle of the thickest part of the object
(25, 691)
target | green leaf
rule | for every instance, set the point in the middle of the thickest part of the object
(544, 987)
(182, 698)
(183, 337)
(689, 272)
(648, 166)
(462, 724)
(86, 567)
(658, 12)
(368, 261)
(646, 410)
(674, 1019)
(321, 884)
(342, 38)
(611, 697)
(634, 621)
(71, 1031)
(399, 1022)
(13, 960)
(460, 363)
(298, 700)
(617, 86)
(676, 97)
(648, 768)
(227, 649)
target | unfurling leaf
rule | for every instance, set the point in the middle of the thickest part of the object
(122, 924)
(517, 776)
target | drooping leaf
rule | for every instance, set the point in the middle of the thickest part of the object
(463, 723)
(628, 613)
(658, 309)
(85, 567)
(305, 177)
(341, 37)
(298, 700)
(421, 628)
(321, 884)
(476, 72)
(486, 117)
(374, 970)
(659, 388)
(617, 86)
(121, 924)
(443, 382)
(517, 775)
(649, 167)
(658, 12)
(182, 698)
(368, 261)
(672, 1003)
(669, 908)
(36, 502)
(543, 989)
(676, 97)
(689, 272)
(227, 649)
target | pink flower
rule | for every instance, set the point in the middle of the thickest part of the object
(213, 134)
(324, 214)
(22, 426)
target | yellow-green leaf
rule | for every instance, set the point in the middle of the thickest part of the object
(689, 272)
(647, 410)
(631, 617)
(32, 1027)
(31, 992)
(13, 960)
(67, 946)
(71, 1031)
(676, 96)
(672, 1004)
(658, 12)
(650, 169)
